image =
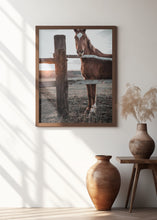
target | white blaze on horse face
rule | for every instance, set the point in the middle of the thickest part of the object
(79, 44)
(79, 35)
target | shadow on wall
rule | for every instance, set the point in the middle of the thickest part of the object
(38, 181)
(18, 68)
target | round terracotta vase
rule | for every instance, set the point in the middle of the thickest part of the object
(103, 183)
(141, 145)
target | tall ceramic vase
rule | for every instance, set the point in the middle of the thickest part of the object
(103, 183)
(141, 145)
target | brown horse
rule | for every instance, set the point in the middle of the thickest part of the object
(94, 65)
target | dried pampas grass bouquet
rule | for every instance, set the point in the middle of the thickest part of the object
(142, 107)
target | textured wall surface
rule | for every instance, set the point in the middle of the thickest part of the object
(48, 166)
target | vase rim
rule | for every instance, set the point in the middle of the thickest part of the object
(103, 157)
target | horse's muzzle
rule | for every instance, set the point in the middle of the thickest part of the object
(80, 53)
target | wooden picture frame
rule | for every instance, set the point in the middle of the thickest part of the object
(64, 97)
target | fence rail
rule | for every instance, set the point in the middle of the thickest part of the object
(47, 60)
(53, 60)
(72, 56)
(73, 82)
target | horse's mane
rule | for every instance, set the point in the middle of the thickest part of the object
(94, 51)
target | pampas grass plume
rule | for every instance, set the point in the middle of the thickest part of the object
(142, 108)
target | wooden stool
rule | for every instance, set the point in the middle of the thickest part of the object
(138, 165)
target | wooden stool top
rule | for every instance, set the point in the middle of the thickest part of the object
(152, 160)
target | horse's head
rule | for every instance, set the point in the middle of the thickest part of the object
(80, 41)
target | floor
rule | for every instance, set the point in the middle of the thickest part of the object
(76, 214)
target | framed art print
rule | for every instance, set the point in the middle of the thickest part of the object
(76, 75)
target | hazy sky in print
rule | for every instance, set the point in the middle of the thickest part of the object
(100, 38)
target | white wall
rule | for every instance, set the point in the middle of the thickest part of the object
(48, 166)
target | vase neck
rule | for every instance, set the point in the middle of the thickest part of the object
(142, 127)
(103, 157)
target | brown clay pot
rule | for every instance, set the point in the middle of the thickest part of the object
(103, 183)
(141, 145)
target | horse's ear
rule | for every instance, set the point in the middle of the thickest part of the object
(75, 30)
(84, 30)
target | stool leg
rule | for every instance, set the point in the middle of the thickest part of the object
(137, 172)
(154, 171)
(130, 186)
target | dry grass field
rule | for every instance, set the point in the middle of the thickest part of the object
(77, 100)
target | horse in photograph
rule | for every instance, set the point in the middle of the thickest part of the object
(94, 65)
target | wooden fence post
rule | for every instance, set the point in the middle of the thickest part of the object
(61, 75)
